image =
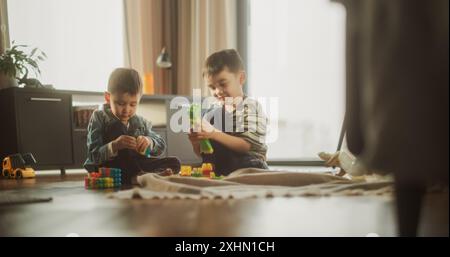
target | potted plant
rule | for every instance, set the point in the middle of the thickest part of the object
(16, 64)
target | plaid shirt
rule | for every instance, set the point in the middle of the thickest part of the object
(98, 139)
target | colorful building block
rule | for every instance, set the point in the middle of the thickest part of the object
(197, 172)
(195, 115)
(205, 171)
(207, 168)
(212, 175)
(103, 178)
(185, 170)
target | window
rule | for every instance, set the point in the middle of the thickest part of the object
(296, 53)
(83, 39)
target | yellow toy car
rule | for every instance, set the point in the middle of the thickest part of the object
(18, 166)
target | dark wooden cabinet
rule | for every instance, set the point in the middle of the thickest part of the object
(38, 121)
(79, 148)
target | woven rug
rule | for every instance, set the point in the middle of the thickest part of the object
(255, 183)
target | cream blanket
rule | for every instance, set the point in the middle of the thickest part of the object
(252, 183)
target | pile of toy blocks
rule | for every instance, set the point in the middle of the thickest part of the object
(104, 178)
(205, 171)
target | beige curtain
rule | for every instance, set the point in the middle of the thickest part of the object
(143, 41)
(4, 35)
(189, 29)
(205, 27)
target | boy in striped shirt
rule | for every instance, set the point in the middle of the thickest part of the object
(237, 128)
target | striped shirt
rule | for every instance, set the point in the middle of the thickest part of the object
(246, 120)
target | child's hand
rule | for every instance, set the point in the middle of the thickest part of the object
(124, 142)
(142, 143)
(194, 138)
(207, 127)
(206, 131)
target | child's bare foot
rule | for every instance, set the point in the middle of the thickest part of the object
(140, 173)
(134, 181)
(341, 173)
(165, 173)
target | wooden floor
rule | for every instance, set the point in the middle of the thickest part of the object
(89, 213)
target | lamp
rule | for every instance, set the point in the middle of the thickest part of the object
(163, 60)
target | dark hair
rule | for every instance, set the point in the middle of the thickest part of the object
(124, 80)
(218, 61)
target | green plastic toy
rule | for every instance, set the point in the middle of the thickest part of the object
(195, 117)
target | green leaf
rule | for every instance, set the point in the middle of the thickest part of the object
(16, 62)
(33, 63)
(33, 51)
